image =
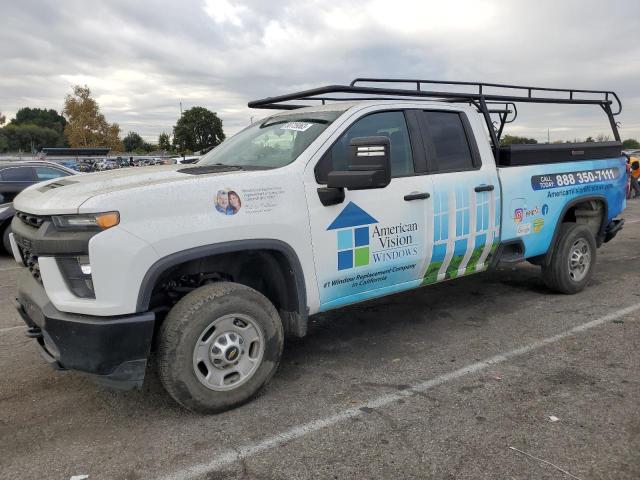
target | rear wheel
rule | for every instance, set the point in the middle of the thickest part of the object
(572, 261)
(219, 346)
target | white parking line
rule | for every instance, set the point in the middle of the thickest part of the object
(9, 269)
(229, 457)
(3, 330)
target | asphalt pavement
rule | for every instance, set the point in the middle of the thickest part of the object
(486, 377)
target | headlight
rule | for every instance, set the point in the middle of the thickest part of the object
(86, 221)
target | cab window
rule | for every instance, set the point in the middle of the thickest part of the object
(388, 124)
(449, 147)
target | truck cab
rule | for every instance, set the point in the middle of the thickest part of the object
(304, 211)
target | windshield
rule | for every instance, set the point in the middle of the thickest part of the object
(271, 143)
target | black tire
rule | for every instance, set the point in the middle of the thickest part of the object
(557, 274)
(183, 328)
(5, 239)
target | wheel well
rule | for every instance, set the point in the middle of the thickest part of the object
(270, 272)
(590, 213)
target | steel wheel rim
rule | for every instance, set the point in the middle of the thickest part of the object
(228, 352)
(579, 260)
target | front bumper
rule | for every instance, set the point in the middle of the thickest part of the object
(114, 350)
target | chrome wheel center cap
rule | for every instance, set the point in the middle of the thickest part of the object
(227, 349)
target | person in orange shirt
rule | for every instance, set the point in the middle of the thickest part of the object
(633, 167)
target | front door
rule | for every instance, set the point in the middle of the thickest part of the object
(374, 242)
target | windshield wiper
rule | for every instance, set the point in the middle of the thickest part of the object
(243, 167)
(202, 169)
(219, 167)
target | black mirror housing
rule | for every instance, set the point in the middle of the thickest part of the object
(369, 165)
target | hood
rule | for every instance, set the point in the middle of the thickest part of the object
(66, 195)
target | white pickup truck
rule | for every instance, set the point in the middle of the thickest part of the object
(308, 210)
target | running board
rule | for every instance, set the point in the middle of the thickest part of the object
(508, 254)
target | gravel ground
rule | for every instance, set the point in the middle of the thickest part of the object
(436, 383)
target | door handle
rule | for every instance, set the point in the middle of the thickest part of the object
(484, 188)
(417, 196)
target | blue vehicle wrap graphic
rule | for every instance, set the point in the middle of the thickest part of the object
(538, 199)
(386, 251)
(464, 221)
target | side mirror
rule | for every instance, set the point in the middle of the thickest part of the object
(369, 165)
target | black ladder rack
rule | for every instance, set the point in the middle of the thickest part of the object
(489, 98)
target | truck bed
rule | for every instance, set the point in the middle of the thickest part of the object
(536, 154)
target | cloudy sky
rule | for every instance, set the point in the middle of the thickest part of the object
(142, 58)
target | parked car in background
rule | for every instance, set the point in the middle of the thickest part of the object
(106, 164)
(15, 177)
(72, 164)
(86, 165)
(187, 160)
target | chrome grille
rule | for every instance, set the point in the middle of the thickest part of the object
(29, 259)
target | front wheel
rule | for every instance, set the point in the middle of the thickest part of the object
(6, 243)
(219, 346)
(572, 261)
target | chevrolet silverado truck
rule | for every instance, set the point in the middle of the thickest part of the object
(354, 192)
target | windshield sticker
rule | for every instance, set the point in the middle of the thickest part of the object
(297, 126)
(228, 202)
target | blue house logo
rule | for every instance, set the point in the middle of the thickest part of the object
(352, 226)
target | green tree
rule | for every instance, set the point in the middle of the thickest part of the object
(196, 129)
(25, 135)
(515, 140)
(2, 119)
(164, 142)
(4, 143)
(630, 144)
(30, 137)
(132, 142)
(41, 117)
(86, 125)
(589, 139)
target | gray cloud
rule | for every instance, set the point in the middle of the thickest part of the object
(142, 58)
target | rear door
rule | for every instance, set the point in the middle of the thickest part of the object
(466, 197)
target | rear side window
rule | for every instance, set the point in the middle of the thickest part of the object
(48, 173)
(449, 141)
(387, 124)
(17, 174)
